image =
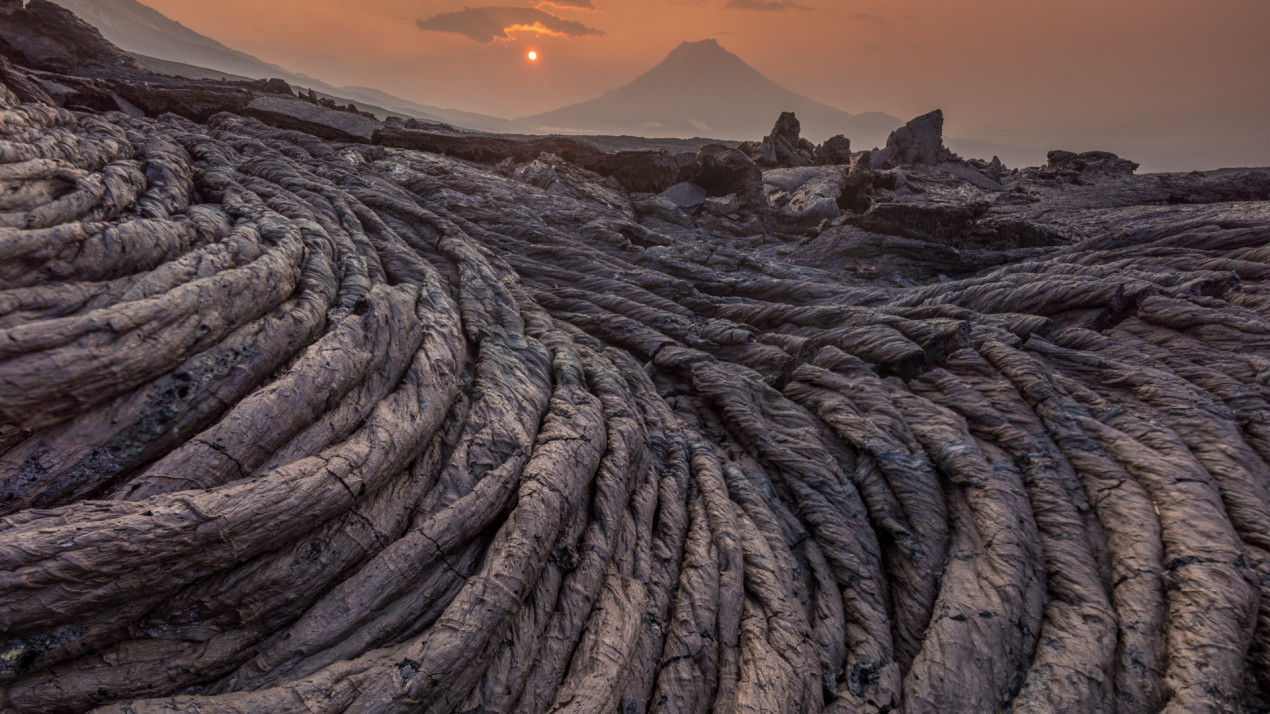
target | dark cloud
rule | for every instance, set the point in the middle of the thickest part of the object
(866, 17)
(487, 24)
(764, 5)
(573, 4)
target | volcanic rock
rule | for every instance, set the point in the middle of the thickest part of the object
(21, 85)
(721, 171)
(836, 151)
(1091, 165)
(949, 223)
(724, 205)
(294, 425)
(685, 195)
(805, 195)
(315, 119)
(637, 171)
(41, 35)
(920, 141)
(817, 200)
(789, 180)
(857, 188)
(783, 147)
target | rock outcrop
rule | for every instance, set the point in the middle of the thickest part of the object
(290, 424)
(920, 141)
(1090, 165)
(928, 221)
(784, 146)
(807, 195)
(836, 151)
(722, 171)
(316, 119)
(41, 35)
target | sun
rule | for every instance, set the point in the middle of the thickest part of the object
(533, 56)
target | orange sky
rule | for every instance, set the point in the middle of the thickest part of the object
(1019, 66)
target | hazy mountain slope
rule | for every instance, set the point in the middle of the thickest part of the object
(145, 31)
(701, 89)
(458, 117)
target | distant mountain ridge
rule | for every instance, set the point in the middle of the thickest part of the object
(142, 30)
(701, 89)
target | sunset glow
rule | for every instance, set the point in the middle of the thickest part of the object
(909, 58)
(533, 56)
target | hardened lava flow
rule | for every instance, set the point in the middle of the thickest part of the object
(407, 419)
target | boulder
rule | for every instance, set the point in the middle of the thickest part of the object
(949, 223)
(721, 171)
(723, 205)
(1090, 164)
(274, 86)
(889, 180)
(921, 141)
(817, 200)
(784, 146)
(836, 151)
(685, 195)
(638, 171)
(789, 180)
(807, 194)
(992, 170)
(21, 85)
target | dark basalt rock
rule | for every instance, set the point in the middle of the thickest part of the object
(315, 119)
(275, 86)
(949, 223)
(784, 147)
(197, 101)
(993, 169)
(1253, 185)
(685, 195)
(8, 100)
(1090, 165)
(836, 151)
(637, 171)
(805, 195)
(1006, 233)
(722, 171)
(817, 200)
(920, 141)
(480, 148)
(67, 62)
(21, 85)
(857, 189)
(44, 35)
